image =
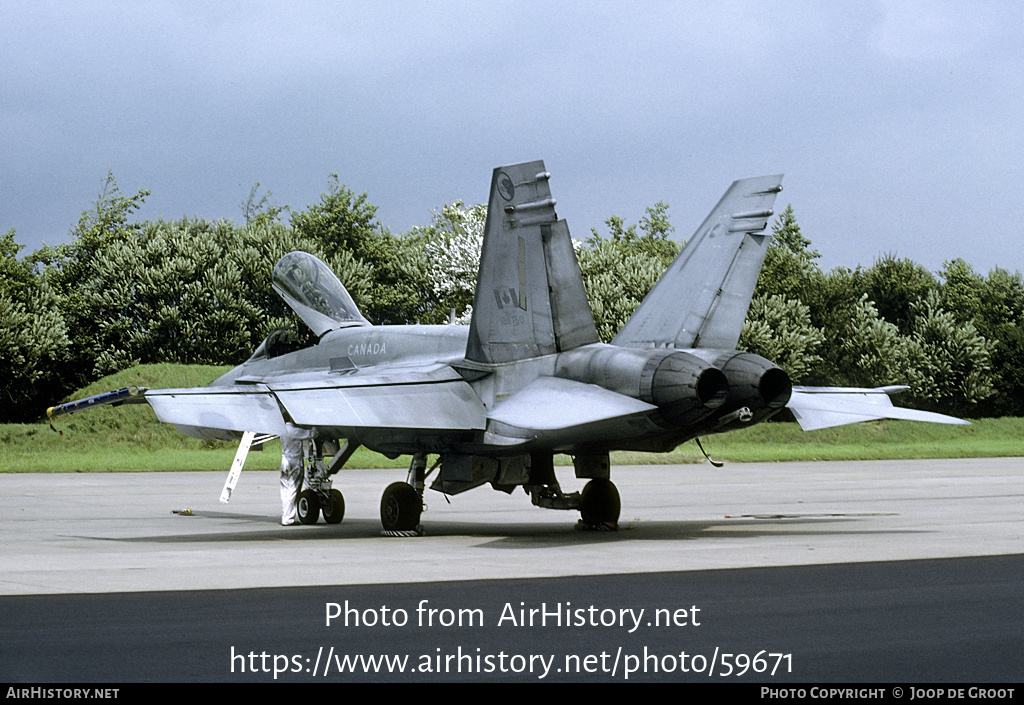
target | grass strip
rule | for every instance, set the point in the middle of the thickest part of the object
(112, 439)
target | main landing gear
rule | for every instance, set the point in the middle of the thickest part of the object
(599, 504)
(400, 506)
(402, 503)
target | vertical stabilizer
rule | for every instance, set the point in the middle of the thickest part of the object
(529, 299)
(703, 297)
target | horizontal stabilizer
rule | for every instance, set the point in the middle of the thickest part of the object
(552, 403)
(816, 408)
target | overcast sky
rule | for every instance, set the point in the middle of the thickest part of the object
(898, 124)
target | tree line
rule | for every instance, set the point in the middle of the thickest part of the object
(123, 292)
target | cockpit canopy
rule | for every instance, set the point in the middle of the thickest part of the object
(315, 294)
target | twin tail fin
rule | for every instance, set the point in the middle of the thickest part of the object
(529, 299)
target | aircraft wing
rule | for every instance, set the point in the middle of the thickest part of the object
(448, 405)
(824, 407)
(429, 397)
(239, 408)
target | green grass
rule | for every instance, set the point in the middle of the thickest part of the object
(776, 442)
(129, 438)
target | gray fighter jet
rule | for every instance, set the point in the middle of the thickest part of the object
(527, 379)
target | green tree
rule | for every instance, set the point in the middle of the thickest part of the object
(619, 270)
(343, 222)
(33, 338)
(780, 330)
(1001, 320)
(68, 266)
(1008, 369)
(109, 221)
(259, 208)
(953, 370)
(195, 291)
(653, 239)
(1002, 299)
(835, 302)
(791, 291)
(895, 285)
(870, 351)
(961, 290)
(789, 268)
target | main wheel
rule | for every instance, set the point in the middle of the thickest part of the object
(335, 511)
(309, 507)
(600, 503)
(400, 507)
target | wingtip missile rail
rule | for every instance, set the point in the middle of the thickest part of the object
(128, 395)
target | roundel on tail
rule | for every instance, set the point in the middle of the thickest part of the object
(506, 187)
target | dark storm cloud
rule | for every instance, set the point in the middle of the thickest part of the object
(896, 123)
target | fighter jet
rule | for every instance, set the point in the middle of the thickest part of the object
(527, 379)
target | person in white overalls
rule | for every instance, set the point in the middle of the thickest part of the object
(293, 440)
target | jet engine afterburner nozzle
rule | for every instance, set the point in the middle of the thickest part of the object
(683, 387)
(775, 388)
(754, 383)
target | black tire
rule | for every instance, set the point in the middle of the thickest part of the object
(600, 503)
(335, 512)
(309, 507)
(400, 507)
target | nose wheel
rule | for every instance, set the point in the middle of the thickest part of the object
(308, 507)
(335, 511)
(319, 497)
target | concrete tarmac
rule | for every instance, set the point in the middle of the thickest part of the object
(96, 533)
